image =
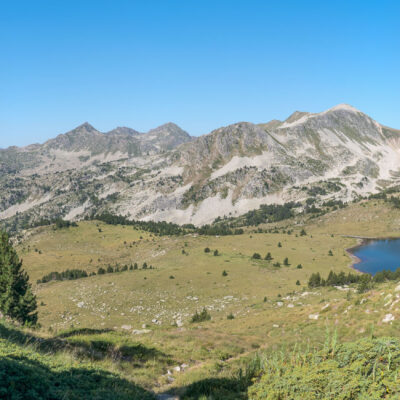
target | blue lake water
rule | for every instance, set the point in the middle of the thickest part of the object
(378, 255)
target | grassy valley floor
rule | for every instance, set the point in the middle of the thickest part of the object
(134, 326)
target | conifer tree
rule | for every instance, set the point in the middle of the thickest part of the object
(286, 262)
(17, 300)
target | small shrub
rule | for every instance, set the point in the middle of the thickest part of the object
(207, 250)
(200, 317)
(256, 256)
(224, 273)
(277, 264)
(230, 316)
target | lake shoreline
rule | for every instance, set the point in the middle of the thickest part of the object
(362, 241)
(354, 258)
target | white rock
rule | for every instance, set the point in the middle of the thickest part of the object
(388, 318)
(126, 327)
(279, 304)
(325, 306)
(290, 305)
(80, 304)
(275, 326)
(313, 316)
(140, 331)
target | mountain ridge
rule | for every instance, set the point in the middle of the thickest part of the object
(165, 174)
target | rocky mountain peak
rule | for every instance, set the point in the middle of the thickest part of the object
(343, 107)
(123, 130)
(169, 128)
(83, 128)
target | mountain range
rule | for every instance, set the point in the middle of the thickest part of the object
(165, 174)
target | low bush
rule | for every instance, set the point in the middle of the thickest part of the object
(201, 317)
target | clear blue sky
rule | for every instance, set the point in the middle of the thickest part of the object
(201, 64)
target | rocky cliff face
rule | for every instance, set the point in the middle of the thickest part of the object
(167, 175)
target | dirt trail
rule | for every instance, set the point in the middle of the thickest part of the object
(165, 396)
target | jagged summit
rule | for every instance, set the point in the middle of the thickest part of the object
(84, 128)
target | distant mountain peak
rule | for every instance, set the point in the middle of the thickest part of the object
(124, 130)
(84, 128)
(169, 126)
(169, 129)
(343, 107)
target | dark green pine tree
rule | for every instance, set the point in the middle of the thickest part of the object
(17, 300)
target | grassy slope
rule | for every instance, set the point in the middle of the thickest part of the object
(50, 369)
(365, 369)
(110, 301)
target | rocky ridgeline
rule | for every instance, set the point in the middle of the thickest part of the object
(165, 174)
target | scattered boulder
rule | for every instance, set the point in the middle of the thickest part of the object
(388, 318)
(140, 331)
(325, 306)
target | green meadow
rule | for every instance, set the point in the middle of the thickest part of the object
(135, 325)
